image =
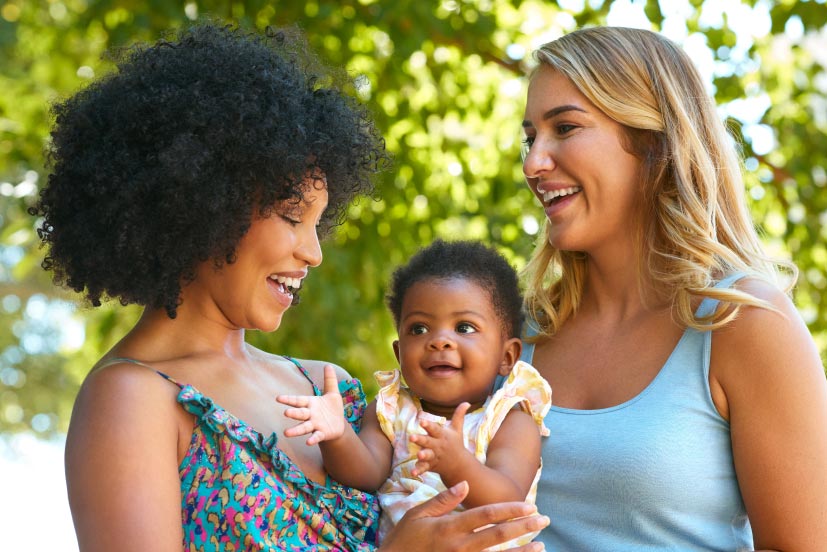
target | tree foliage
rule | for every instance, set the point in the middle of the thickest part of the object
(446, 81)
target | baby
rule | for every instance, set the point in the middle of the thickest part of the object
(441, 418)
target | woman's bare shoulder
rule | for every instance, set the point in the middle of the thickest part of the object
(122, 453)
(122, 396)
(764, 346)
(125, 378)
(755, 324)
(772, 379)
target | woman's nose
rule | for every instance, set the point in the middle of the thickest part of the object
(537, 159)
(310, 250)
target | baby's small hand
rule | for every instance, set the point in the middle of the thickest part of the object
(322, 416)
(441, 444)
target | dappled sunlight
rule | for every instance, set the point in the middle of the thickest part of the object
(447, 85)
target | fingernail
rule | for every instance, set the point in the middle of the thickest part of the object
(455, 489)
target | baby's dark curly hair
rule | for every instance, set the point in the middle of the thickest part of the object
(162, 164)
(466, 260)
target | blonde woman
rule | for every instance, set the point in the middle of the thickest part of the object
(690, 401)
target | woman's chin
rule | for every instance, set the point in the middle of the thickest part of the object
(570, 239)
(563, 242)
(268, 326)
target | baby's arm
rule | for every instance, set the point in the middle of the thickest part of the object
(361, 461)
(512, 460)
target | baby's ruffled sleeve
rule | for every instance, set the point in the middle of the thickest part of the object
(387, 399)
(526, 388)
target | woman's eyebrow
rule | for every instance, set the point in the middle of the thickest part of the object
(555, 111)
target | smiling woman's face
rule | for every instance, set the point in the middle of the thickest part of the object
(577, 167)
(273, 256)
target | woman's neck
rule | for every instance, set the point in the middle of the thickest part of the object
(157, 337)
(615, 288)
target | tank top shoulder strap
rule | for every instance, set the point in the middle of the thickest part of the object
(127, 360)
(708, 305)
(530, 330)
(303, 370)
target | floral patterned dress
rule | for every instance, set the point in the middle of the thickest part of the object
(239, 491)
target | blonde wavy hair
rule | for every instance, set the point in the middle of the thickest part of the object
(696, 227)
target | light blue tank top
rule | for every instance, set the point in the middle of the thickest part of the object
(653, 473)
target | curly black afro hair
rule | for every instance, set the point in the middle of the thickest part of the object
(466, 260)
(162, 164)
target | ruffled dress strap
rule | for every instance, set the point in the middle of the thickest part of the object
(118, 360)
(524, 387)
(353, 395)
(303, 370)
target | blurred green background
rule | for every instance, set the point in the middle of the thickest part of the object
(446, 81)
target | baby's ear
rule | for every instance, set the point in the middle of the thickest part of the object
(511, 354)
(396, 349)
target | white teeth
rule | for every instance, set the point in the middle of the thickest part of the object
(294, 283)
(552, 194)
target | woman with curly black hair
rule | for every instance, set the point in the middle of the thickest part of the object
(194, 180)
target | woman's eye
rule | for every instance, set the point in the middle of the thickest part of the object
(528, 141)
(418, 329)
(565, 129)
(291, 221)
(465, 327)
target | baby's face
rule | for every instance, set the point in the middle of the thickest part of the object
(451, 344)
